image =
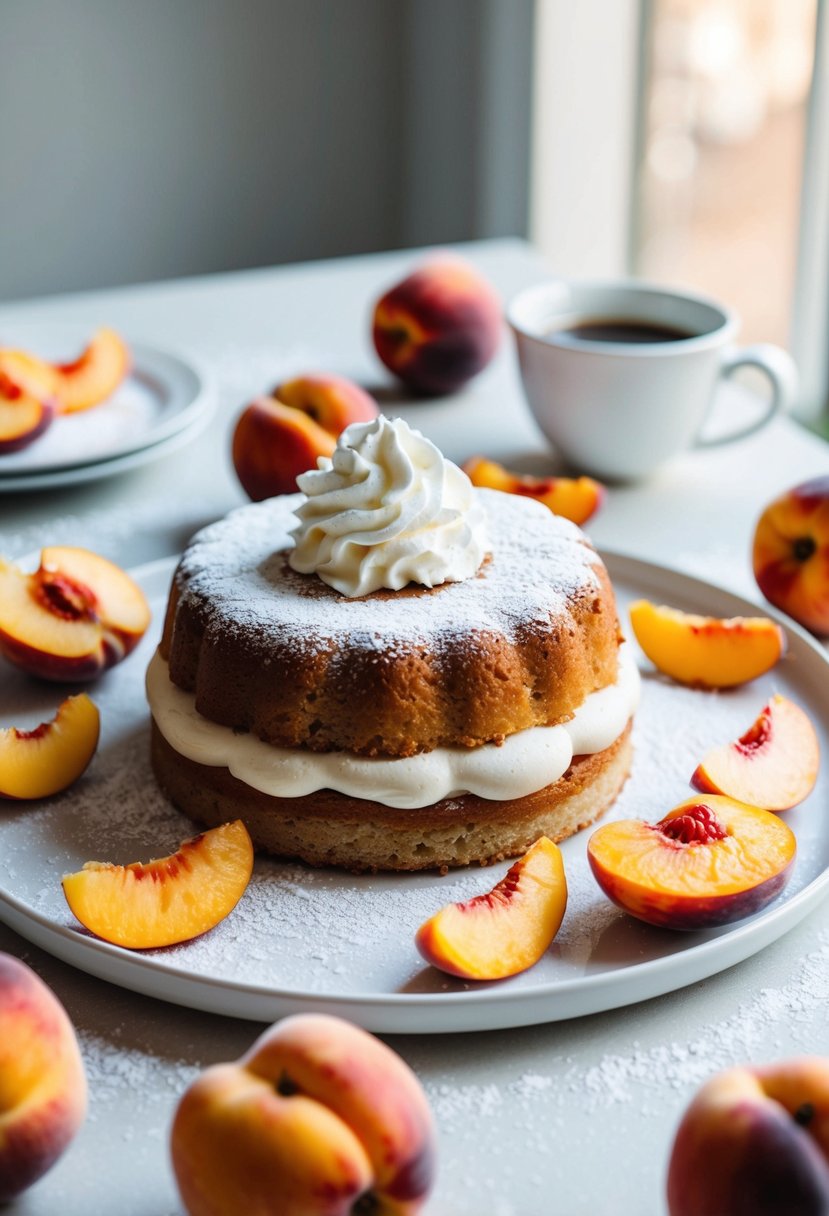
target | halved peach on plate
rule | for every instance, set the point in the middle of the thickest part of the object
(75, 616)
(709, 861)
(506, 930)
(576, 498)
(40, 762)
(774, 765)
(95, 374)
(169, 900)
(706, 651)
(24, 417)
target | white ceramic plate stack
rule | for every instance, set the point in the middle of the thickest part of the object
(161, 405)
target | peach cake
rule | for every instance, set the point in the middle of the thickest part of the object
(392, 670)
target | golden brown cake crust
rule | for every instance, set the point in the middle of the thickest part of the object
(284, 656)
(332, 829)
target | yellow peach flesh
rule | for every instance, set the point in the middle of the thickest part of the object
(38, 763)
(506, 930)
(691, 884)
(36, 377)
(707, 652)
(120, 602)
(575, 498)
(25, 620)
(774, 765)
(95, 375)
(169, 900)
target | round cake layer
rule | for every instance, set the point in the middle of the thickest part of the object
(280, 654)
(331, 829)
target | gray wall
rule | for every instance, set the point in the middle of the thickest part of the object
(144, 139)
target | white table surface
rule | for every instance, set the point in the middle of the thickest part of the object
(571, 1118)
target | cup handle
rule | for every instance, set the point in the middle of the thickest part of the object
(781, 370)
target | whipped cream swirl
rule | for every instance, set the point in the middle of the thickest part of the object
(388, 509)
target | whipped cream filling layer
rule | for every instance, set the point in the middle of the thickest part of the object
(525, 762)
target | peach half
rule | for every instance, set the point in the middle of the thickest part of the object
(278, 437)
(508, 929)
(755, 1140)
(706, 651)
(319, 1118)
(171, 899)
(41, 762)
(774, 765)
(75, 616)
(708, 862)
(95, 374)
(790, 553)
(24, 416)
(42, 1079)
(576, 498)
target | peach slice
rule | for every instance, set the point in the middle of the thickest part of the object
(75, 616)
(169, 900)
(505, 931)
(40, 762)
(23, 416)
(708, 862)
(35, 376)
(576, 498)
(95, 374)
(706, 651)
(774, 765)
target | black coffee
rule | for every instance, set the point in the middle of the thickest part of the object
(617, 329)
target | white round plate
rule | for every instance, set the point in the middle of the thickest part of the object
(305, 939)
(101, 469)
(162, 396)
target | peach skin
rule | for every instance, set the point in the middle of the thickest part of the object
(42, 1079)
(77, 615)
(706, 651)
(278, 437)
(160, 903)
(41, 762)
(755, 1140)
(505, 931)
(708, 862)
(774, 765)
(439, 327)
(319, 1118)
(790, 554)
(576, 498)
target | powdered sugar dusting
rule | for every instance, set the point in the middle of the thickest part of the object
(298, 930)
(236, 572)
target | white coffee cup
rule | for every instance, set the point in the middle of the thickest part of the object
(620, 409)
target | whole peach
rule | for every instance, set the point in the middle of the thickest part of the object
(319, 1118)
(439, 327)
(42, 1078)
(755, 1140)
(278, 437)
(790, 554)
